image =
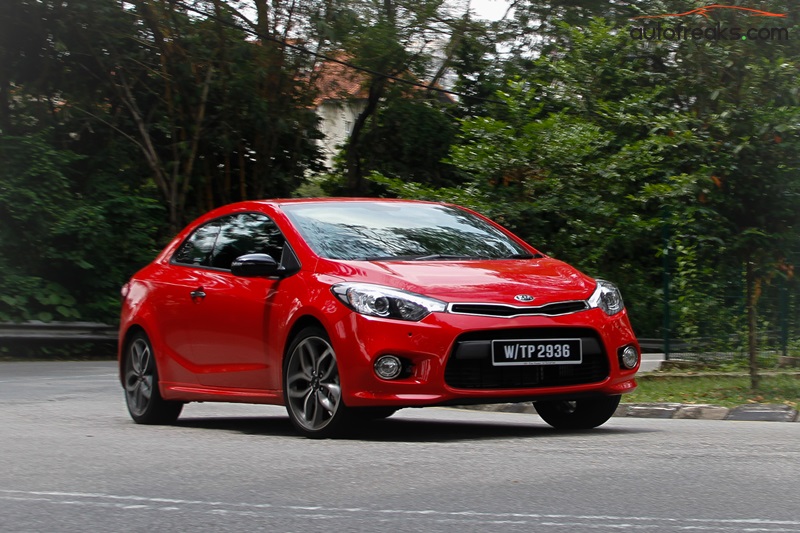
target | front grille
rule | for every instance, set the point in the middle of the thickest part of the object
(508, 311)
(470, 363)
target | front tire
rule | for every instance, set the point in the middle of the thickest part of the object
(144, 401)
(587, 413)
(311, 386)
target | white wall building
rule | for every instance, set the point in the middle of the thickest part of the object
(341, 97)
(336, 123)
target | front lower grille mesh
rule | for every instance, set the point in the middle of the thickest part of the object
(477, 372)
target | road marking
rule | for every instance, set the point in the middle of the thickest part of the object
(320, 512)
(95, 377)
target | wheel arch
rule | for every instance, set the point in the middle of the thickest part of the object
(300, 324)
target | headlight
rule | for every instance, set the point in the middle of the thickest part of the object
(607, 297)
(385, 302)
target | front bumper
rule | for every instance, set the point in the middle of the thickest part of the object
(439, 373)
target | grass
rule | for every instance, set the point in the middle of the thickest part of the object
(725, 389)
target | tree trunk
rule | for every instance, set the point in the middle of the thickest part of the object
(5, 106)
(355, 182)
(752, 301)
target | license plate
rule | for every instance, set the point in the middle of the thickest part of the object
(537, 352)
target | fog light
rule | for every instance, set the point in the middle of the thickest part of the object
(388, 366)
(629, 356)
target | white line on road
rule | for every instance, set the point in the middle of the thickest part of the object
(578, 522)
(95, 377)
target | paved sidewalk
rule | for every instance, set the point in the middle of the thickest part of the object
(749, 412)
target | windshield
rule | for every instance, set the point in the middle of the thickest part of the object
(371, 231)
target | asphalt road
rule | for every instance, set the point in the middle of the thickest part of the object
(71, 460)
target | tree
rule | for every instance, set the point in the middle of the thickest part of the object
(582, 135)
(176, 93)
(76, 217)
(410, 138)
(605, 140)
(119, 105)
(390, 42)
(747, 98)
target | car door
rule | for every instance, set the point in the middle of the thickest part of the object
(231, 321)
(176, 303)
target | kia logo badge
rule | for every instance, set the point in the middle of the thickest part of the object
(523, 298)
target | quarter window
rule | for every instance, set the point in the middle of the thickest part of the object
(196, 250)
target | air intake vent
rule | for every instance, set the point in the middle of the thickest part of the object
(470, 363)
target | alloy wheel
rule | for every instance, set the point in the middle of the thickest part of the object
(139, 377)
(313, 390)
(140, 380)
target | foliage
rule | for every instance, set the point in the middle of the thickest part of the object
(32, 200)
(410, 138)
(65, 250)
(119, 105)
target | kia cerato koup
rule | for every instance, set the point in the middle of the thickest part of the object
(346, 310)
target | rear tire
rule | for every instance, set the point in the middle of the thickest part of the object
(312, 390)
(586, 413)
(140, 375)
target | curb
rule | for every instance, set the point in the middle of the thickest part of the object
(677, 411)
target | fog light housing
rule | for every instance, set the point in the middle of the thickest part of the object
(388, 366)
(629, 357)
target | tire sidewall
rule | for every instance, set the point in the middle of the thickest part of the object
(588, 412)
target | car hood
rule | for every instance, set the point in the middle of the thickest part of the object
(492, 281)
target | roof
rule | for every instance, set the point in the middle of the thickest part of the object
(335, 81)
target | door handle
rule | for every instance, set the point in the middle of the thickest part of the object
(197, 293)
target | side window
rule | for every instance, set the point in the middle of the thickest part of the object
(196, 250)
(246, 233)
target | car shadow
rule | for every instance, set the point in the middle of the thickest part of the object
(250, 425)
(407, 430)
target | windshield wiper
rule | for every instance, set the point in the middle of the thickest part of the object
(388, 258)
(524, 256)
(445, 257)
(436, 257)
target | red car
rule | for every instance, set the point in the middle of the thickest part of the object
(349, 309)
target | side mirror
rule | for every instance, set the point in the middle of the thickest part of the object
(255, 265)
